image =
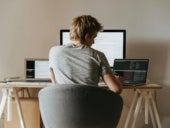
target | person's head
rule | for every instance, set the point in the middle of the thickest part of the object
(84, 29)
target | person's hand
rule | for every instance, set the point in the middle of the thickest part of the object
(119, 78)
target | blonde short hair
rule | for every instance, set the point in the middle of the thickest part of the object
(82, 25)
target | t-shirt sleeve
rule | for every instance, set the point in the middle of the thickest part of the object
(104, 65)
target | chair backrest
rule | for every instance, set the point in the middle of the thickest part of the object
(79, 106)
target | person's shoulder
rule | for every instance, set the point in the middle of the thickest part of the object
(56, 47)
(96, 51)
(60, 48)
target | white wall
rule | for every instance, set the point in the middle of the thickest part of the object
(28, 28)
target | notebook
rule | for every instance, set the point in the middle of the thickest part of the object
(37, 70)
(133, 71)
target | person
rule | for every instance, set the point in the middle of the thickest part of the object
(77, 62)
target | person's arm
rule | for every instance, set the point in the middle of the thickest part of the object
(113, 83)
(52, 75)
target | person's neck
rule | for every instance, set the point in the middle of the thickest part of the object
(76, 43)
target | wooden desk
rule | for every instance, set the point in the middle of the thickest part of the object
(145, 92)
(11, 89)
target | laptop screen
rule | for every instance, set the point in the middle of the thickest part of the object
(37, 69)
(132, 70)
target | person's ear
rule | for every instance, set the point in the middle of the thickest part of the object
(88, 38)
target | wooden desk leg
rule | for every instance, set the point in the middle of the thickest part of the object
(20, 114)
(150, 108)
(146, 108)
(3, 101)
(138, 106)
(155, 110)
(135, 97)
(151, 114)
(9, 106)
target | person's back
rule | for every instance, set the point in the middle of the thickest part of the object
(77, 64)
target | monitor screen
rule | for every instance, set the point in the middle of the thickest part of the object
(37, 68)
(132, 70)
(111, 42)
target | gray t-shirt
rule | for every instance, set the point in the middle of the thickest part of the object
(81, 64)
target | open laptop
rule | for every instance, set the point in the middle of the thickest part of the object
(37, 70)
(133, 71)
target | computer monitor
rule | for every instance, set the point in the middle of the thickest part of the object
(111, 42)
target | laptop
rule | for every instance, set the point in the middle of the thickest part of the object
(133, 71)
(37, 70)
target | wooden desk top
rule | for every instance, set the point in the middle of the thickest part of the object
(45, 84)
(146, 86)
(25, 84)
